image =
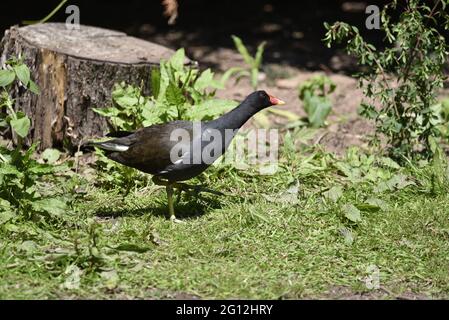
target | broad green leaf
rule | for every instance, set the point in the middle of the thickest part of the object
(254, 78)
(344, 168)
(398, 182)
(388, 162)
(52, 206)
(51, 155)
(127, 101)
(23, 73)
(12, 227)
(32, 86)
(351, 213)
(242, 50)
(174, 95)
(6, 77)
(8, 169)
(28, 246)
(382, 205)
(210, 109)
(204, 80)
(334, 193)
(317, 109)
(164, 81)
(178, 59)
(259, 54)
(6, 212)
(21, 126)
(288, 196)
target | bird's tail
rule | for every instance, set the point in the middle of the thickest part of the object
(113, 145)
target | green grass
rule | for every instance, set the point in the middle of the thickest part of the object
(256, 242)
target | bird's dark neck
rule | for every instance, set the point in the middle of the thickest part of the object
(235, 118)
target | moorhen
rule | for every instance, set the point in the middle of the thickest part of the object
(180, 150)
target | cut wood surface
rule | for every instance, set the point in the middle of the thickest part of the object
(76, 71)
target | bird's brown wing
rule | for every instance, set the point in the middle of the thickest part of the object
(148, 149)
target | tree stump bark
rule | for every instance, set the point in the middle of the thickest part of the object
(75, 70)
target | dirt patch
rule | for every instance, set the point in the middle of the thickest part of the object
(346, 128)
(345, 293)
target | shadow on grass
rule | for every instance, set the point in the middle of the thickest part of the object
(190, 207)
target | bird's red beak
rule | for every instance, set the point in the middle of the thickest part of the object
(275, 101)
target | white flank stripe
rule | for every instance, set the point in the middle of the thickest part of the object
(114, 147)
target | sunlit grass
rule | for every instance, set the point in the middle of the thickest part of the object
(252, 243)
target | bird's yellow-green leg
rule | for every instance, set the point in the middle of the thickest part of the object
(171, 210)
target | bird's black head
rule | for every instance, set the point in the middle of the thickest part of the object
(261, 100)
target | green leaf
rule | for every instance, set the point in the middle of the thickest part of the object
(53, 206)
(23, 73)
(6, 77)
(28, 246)
(204, 80)
(388, 162)
(177, 60)
(51, 155)
(6, 213)
(21, 126)
(242, 50)
(259, 54)
(398, 181)
(174, 95)
(382, 205)
(127, 101)
(8, 169)
(33, 87)
(155, 82)
(210, 109)
(352, 213)
(334, 193)
(317, 109)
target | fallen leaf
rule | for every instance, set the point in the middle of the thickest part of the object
(351, 212)
(73, 279)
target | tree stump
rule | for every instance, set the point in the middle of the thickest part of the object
(75, 70)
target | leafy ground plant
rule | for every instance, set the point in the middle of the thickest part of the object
(178, 91)
(314, 95)
(401, 81)
(253, 64)
(20, 174)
